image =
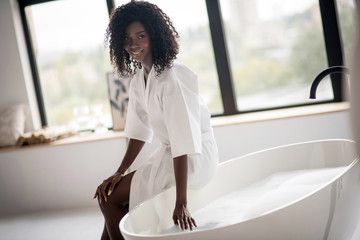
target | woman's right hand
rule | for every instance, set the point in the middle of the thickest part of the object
(102, 192)
(182, 217)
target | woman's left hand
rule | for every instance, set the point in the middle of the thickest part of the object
(183, 217)
(107, 186)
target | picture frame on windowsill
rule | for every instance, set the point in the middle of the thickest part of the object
(119, 98)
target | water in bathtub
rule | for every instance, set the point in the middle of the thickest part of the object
(261, 197)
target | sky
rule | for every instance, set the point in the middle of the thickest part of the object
(271, 9)
(80, 24)
(72, 24)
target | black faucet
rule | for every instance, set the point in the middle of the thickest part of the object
(317, 80)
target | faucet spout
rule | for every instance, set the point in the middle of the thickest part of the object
(317, 80)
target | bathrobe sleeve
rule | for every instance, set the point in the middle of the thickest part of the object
(137, 124)
(181, 108)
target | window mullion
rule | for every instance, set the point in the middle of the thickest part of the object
(221, 57)
(33, 64)
(110, 5)
(333, 44)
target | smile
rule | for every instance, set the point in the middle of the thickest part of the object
(134, 54)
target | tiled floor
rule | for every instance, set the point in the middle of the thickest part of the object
(83, 224)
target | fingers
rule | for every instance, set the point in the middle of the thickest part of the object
(98, 193)
(185, 222)
(193, 222)
(188, 224)
(102, 191)
(182, 224)
(113, 184)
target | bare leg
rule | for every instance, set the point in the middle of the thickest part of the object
(115, 208)
(105, 234)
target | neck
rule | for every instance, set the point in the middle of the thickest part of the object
(147, 69)
(147, 64)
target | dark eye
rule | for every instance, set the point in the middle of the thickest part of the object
(141, 36)
(126, 39)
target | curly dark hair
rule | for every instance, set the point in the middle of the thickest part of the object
(162, 33)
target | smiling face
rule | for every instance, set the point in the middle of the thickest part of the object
(137, 43)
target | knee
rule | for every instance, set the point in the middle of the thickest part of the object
(111, 203)
(104, 205)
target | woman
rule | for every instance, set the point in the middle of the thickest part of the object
(164, 100)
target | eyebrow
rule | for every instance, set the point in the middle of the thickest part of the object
(136, 32)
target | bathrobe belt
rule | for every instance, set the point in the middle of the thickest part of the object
(205, 136)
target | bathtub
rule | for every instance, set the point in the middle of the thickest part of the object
(329, 210)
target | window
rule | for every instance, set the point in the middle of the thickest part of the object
(250, 55)
(195, 45)
(347, 18)
(276, 49)
(67, 41)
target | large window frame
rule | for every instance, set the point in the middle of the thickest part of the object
(332, 38)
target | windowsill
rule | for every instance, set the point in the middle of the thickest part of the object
(216, 122)
(280, 114)
(80, 138)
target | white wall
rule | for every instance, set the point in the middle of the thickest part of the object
(246, 138)
(55, 177)
(58, 177)
(355, 79)
(66, 176)
(16, 85)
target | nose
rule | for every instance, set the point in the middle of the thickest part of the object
(133, 44)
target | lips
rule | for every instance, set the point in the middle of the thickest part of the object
(136, 53)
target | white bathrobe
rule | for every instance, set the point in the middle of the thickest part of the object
(170, 107)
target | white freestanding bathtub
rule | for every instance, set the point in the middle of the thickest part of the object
(293, 203)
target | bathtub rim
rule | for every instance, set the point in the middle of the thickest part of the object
(284, 206)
